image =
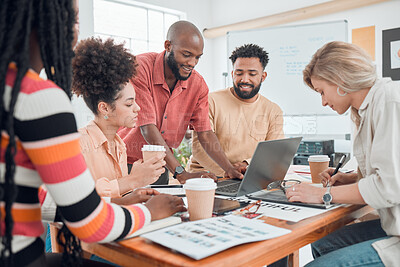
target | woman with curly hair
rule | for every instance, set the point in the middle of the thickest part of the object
(101, 74)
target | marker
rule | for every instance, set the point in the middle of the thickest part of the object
(341, 161)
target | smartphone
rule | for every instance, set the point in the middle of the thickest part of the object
(223, 205)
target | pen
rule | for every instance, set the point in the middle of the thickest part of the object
(341, 161)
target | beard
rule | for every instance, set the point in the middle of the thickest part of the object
(173, 65)
(246, 95)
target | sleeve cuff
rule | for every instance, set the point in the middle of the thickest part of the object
(114, 188)
(107, 188)
(146, 212)
(203, 128)
(146, 121)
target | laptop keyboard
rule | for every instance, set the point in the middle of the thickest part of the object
(230, 188)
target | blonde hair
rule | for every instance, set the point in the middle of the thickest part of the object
(345, 65)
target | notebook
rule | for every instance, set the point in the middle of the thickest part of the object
(155, 225)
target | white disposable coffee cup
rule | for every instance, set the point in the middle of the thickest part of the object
(150, 151)
(318, 163)
(200, 194)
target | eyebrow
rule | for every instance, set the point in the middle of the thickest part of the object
(187, 51)
(129, 99)
(251, 70)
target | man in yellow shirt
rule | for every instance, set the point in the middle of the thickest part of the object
(239, 115)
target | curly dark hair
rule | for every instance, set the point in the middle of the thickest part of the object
(101, 69)
(250, 50)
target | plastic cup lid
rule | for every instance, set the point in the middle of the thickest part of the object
(153, 148)
(318, 158)
(200, 184)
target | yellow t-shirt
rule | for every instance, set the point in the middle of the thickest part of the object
(239, 127)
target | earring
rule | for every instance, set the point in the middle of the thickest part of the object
(105, 117)
(337, 90)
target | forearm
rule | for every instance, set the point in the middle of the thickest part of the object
(153, 137)
(347, 194)
(122, 200)
(126, 184)
(211, 145)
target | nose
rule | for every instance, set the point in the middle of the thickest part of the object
(245, 78)
(324, 102)
(136, 108)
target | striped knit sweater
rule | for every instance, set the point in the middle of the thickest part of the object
(49, 152)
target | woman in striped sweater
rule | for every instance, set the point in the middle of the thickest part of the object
(40, 143)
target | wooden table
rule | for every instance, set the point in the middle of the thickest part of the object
(139, 252)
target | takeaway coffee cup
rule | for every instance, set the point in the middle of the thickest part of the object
(318, 163)
(200, 194)
(150, 151)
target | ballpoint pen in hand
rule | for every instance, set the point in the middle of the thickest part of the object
(341, 161)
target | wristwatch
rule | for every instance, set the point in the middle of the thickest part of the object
(178, 170)
(327, 197)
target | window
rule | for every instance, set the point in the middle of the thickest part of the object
(142, 27)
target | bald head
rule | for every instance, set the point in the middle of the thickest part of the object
(183, 49)
(184, 31)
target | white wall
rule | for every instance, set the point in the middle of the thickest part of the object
(383, 16)
(233, 11)
(86, 29)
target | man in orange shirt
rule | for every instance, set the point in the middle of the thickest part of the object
(173, 96)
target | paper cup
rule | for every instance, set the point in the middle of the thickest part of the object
(318, 163)
(150, 151)
(200, 194)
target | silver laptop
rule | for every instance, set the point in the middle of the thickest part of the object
(269, 163)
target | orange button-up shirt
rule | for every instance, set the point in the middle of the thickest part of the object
(171, 113)
(102, 164)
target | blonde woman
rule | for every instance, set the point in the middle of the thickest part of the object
(346, 78)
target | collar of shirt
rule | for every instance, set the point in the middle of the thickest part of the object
(371, 93)
(98, 137)
(158, 76)
(31, 73)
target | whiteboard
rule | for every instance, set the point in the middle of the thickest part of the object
(290, 49)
